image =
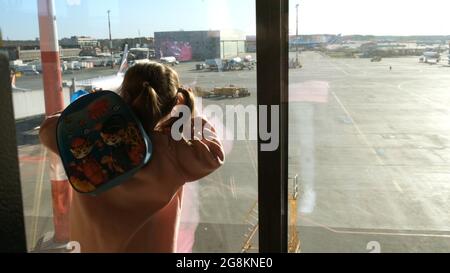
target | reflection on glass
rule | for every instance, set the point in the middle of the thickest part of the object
(218, 54)
(369, 127)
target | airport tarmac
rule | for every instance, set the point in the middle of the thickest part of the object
(34, 82)
(370, 145)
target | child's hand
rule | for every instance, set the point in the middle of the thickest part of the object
(181, 100)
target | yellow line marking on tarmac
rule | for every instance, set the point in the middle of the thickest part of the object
(397, 185)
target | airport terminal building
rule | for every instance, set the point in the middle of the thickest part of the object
(188, 45)
(199, 45)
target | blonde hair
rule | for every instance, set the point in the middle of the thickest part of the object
(151, 90)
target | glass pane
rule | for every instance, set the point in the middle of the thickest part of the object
(369, 125)
(213, 52)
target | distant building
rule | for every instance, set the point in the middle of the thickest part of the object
(233, 43)
(69, 52)
(139, 42)
(311, 41)
(79, 41)
(24, 54)
(11, 51)
(4, 52)
(29, 55)
(188, 45)
(1, 38)
(90, 51)
(24, 45)
(250, 44)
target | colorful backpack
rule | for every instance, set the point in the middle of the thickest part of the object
(101, 142)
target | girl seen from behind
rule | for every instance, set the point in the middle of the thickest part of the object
(142, 214)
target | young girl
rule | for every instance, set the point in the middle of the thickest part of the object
(142, 214)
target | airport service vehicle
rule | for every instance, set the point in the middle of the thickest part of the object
(293, 64)
(200, 92)
(238, 64)
(141, 53)
(169, 61)
(200, 66)
(227, 91)
(73, 65)
(249, 62)
(376, 59)
(98, 62)
(231, 91)
(230, 64)
(213, 64)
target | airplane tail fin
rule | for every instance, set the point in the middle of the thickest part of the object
(124, 63)
(13, 84)
(13, 80)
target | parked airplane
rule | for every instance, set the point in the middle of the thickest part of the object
(430, 57)
(112, 82)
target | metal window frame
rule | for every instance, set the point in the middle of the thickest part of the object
(12, 224)
(272, 43)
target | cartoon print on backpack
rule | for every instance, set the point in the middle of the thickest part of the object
(113, 135)
(85, 172)
(98, 109)
(102, 143)
(136, 145)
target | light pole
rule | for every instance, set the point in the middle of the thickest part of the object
(110, 40)
(296, 34)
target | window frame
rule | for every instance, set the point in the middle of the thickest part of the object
(272, 47)
(12, 224)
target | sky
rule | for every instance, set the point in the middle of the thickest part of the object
(129, 18)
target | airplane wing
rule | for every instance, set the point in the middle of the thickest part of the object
(19, 89)
(112, 82)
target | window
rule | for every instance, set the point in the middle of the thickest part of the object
(367, 138)
(219, 210)
(368, 126)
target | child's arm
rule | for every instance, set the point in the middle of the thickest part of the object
(200, 156)
(47, 133)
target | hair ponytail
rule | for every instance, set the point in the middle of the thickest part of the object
(147, 106)
(152, 90)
